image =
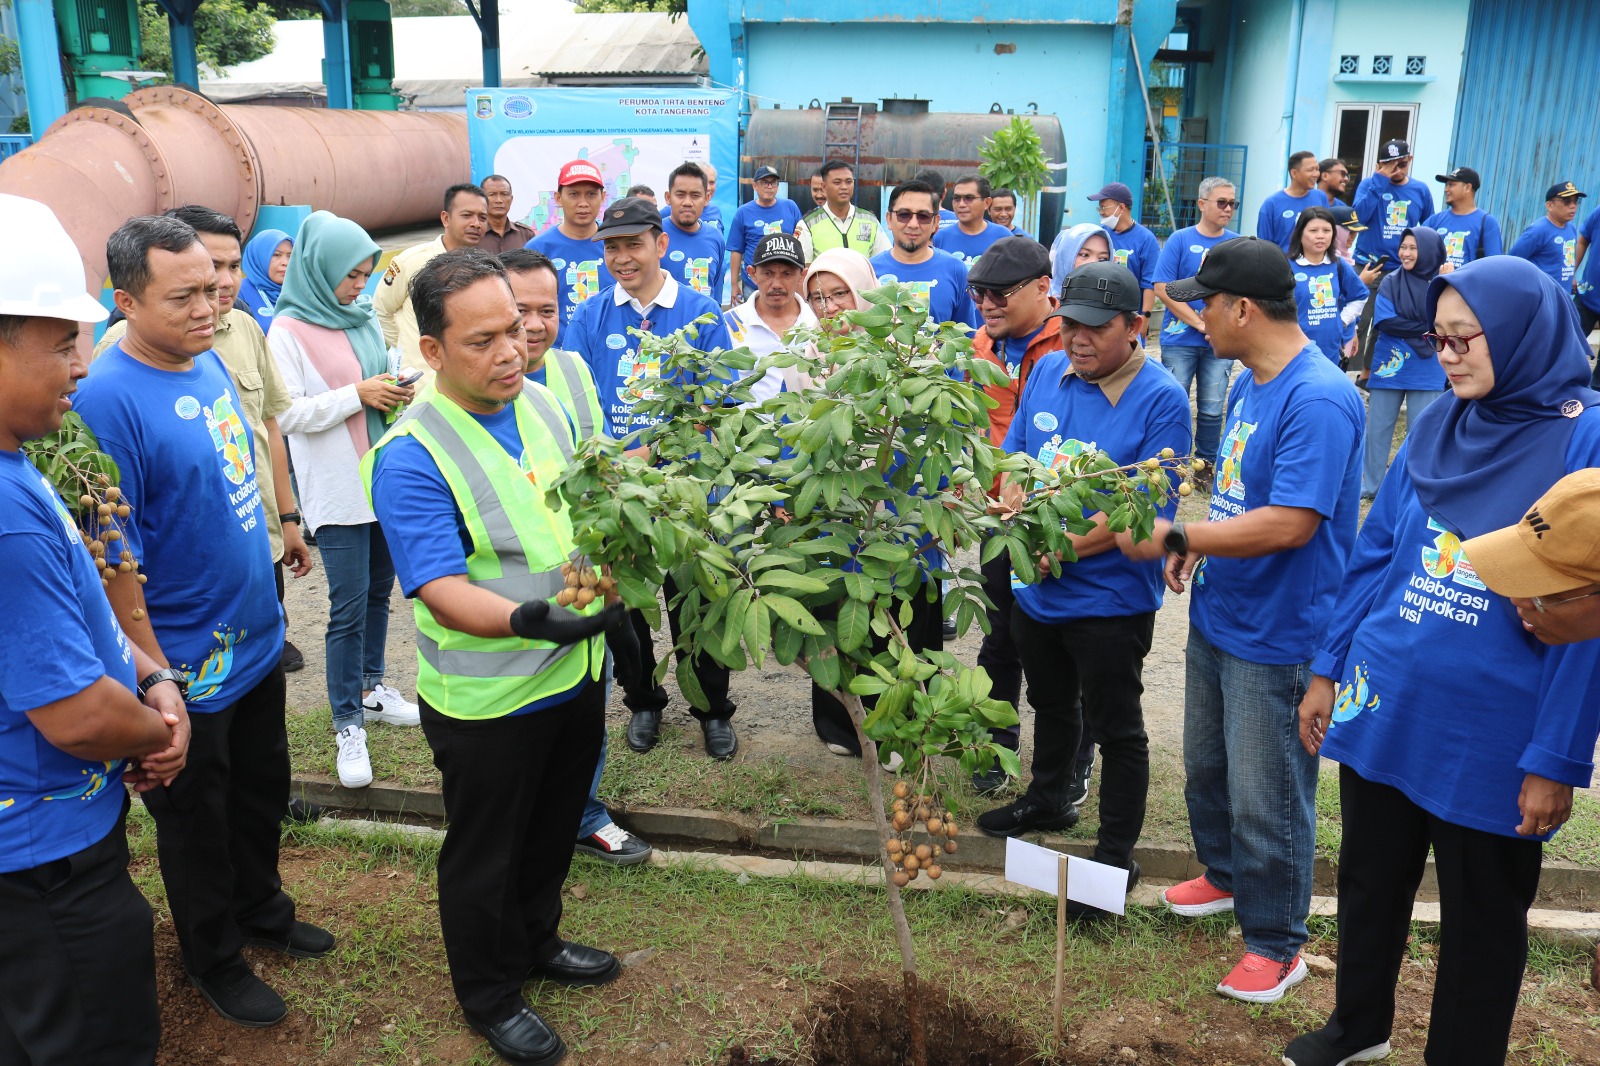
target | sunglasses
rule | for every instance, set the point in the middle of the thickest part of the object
(1459, 345)
(964, 198)
(1223, 205)
(904, 216)
(980, 293)
(1543, 605)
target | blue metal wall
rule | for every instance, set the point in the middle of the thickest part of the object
(1526, 116)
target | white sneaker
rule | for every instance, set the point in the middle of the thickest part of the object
(355, 768)
(840, 749)
(388, 706)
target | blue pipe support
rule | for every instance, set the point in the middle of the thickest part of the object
(40, 52)
(1292, 78)
(1227, 76)
(336, 54)
(185, 61)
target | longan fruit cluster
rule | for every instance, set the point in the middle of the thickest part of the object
(104, 515)
(584, 585)
(907, 812)
(1187, 470)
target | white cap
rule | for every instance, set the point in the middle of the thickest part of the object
(41, 276)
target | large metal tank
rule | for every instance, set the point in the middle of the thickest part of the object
(164, 147)
(887, 146)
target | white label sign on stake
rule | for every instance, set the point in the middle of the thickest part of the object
(1092, 883)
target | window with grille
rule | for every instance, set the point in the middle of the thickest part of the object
(1383, 64)
(1349, 64)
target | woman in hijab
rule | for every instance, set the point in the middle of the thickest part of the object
(328, 345)
(1453, 726)
(266, 261)
(1084, 243)
(1403, 366)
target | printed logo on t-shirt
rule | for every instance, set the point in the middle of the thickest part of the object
(1056, 453)
(1321, 288)
(676, 255)
(1289, 213)
(96, 774)
(1045, 421)
(228, 437)
(1395, 214)
(187, 407)
(1355, 697)
(208, 678)
(638, 376)
(583, 279)
(1448, 585)
(697, 272)
(1392, 362)
(1455, 245)
(1230, 469)
(768, 228)
(1444, 558)
(1569, 253)
(1120, 256)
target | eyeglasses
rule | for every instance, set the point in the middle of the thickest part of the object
(903, 216)
(980, 293)
(1543, 605)
(837, 299)
(1458, 345)
(964, 198)
(1223, 205)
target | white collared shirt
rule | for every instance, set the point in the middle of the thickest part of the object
(667, 297)
(749, 330)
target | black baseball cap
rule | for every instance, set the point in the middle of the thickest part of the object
(781, 248)
(763, 173)
(1346, 216)
(1243, 266)
(1466, 174)
(1564, 190)
(1009, 261)
(628, 217)
(1393, 150)
(1096, 293)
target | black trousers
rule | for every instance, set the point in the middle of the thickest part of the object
(925, 633)
(1364, 330)
(997, 655)
(77, 962)
(641, 693)
(1090, 669)
(514, 791)
(1487, 882)
(217, 830)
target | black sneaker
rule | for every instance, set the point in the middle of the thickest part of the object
(988, 782)
(615, 845)
(1316, 1049)
(291, 659)
(949, 629)
(305, 941)
(1026, 815)
(1080, 781)
(241, 997)
(1083, 912)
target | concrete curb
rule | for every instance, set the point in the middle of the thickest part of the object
(1562, 885)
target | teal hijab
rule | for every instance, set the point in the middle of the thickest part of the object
(326, 250)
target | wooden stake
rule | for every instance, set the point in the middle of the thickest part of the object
(1061, 949)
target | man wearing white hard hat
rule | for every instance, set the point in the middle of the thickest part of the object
(81, 708)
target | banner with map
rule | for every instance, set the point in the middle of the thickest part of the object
(634, 136)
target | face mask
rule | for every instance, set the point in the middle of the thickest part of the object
(1110, 221)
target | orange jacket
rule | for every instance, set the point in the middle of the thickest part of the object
(1009, 396)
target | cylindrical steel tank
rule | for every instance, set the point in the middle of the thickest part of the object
(97, 167)
(894, 146)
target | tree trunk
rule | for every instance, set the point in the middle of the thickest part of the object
(902, 929)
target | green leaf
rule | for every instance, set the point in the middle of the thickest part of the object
(786, 640)
(855, 624)
(859, 586)
(689, 684)
(788, 579)
(793, 613)
(824, 670)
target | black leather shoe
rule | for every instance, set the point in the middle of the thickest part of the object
(291, 658)
(523, 1038)
(1083, 912)
(644, 730)
(305, 941)
(1026, 815)
(241, 997)
(721, 741)
(578, 965)
(303, 812)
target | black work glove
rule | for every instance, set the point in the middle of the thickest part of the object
(538, 620)
(623, 643)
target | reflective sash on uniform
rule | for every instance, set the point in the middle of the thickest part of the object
(568, 376)
(518, 546)
(825, 233)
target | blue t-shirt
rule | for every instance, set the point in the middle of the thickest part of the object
(710, 215)
(1061, 416)
(1589, 283)
(1280, 212)
(1469, 236)
(696, 259)
(1293, 442)
(1551, 248)
(941, 280)
(751, 222)
(1138, 250)
(580, 267)
(1180, 258)
(965, 246)
(1388, 210)
(1396, 364)
(1441, 693)
(1321, 293)
(59, 637)
(425, 530)
(947, 218)
(197, 528)
(599, 333)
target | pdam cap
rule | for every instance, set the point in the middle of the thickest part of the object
(779, 248)
(579, 170)
(1553, 549)
(42, 274)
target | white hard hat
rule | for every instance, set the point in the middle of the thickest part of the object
(41, 274)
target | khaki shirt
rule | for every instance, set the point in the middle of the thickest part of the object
(392, 301)
(262, 394)
(516, 236)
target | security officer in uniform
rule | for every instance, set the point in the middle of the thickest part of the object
(509, 684)
(465, 219)
(838, 222)
(77, 957)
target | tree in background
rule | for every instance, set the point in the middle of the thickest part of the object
(227, 32)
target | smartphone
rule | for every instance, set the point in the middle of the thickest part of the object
(408, 379)
(1372, 260)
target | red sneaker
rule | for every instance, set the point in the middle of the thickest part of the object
(1197, 898)
(1259, 980)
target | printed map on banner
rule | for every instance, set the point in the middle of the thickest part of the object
(622, 161)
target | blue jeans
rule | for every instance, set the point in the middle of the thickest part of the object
(1383, 411)
(595, 815)
(1251, 791)
(1186, 364)
(360, 582)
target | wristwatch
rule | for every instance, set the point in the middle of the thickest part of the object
(166, 674)
(1176, 541)
(290, 516)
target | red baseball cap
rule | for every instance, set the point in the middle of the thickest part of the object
(580, 170)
